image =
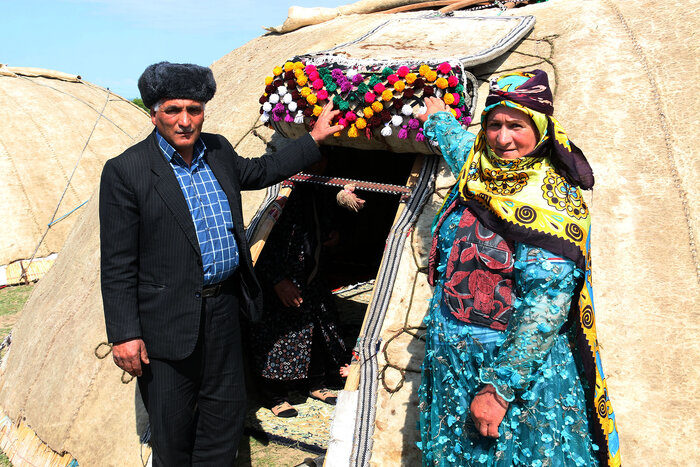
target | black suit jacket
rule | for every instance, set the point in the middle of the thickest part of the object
(151, 266)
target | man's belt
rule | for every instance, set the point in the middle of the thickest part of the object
(214, 290)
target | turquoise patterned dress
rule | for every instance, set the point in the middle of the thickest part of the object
(530, 363)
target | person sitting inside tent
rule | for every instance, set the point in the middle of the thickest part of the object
(509, 376)
(298, 339)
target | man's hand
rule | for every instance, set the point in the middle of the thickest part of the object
(323, 128)
(128, 355)
(433, 104)
(487, 410)
(288, 293)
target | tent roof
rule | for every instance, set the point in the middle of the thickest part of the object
(47, 136)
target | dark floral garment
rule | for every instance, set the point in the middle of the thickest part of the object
(479, 275)
(281, 342)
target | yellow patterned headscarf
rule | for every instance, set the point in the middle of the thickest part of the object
(529, 195)
(537, 200)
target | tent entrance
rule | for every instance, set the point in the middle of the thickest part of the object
(381, 179)
(361, 268)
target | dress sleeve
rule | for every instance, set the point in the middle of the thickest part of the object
(545, 286)
(454, 141)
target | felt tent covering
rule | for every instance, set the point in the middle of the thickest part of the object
(50, 116)
(618, 69)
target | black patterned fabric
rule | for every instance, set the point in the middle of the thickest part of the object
(479, 274)
(282, 341)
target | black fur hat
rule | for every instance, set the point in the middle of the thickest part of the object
(167, 80)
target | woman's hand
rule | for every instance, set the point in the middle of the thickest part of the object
(487, 410)
(288, 293)
(433, 104)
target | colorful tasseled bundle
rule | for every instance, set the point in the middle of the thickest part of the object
(380, 99)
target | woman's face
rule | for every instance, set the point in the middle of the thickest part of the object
(510, 133)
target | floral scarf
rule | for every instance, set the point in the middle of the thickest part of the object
(537, 200)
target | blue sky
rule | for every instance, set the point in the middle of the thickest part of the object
(110, 42)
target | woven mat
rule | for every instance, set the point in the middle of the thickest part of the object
(308, 431)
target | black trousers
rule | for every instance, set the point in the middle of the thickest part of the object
(196, 406)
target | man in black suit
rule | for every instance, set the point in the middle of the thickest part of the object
(176, 268)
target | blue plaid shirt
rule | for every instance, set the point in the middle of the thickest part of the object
(209, 209)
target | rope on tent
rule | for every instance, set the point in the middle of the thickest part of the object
(23, 276)
(101, 351)
(68, 213)
(417, 332)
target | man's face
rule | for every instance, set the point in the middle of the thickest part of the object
(179, 121)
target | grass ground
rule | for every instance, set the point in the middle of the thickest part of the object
(12, 300)
(252, 452)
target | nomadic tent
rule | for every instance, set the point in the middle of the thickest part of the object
(60, 131)
(618, 69)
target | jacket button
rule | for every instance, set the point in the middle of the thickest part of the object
(197, 295)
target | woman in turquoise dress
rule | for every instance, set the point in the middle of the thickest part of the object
(512, 372)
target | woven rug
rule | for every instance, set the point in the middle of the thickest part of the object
(308, 431)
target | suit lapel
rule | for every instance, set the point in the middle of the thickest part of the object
(168, 188)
